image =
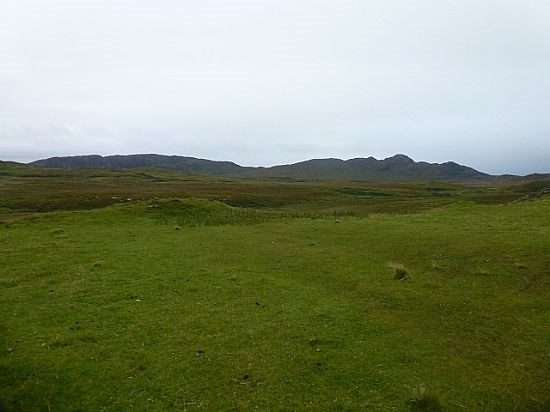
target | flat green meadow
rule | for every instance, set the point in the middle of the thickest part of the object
(193, 303)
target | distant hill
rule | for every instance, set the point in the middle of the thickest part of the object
(398, 167)
(395, 168)
(179, 163)
(11, 165)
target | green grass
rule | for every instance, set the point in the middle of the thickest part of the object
(274, 308)
(113, 309)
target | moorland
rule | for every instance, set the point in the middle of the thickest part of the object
(155, 289)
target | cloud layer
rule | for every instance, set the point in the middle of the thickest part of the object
(267, 82)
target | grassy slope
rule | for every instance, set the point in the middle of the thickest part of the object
(115, 309)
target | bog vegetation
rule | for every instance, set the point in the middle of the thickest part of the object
(149, 289)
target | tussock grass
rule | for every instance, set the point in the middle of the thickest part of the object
(401, 272)
(422, 400)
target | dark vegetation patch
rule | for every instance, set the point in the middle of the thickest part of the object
(192, 212)
(355, 191)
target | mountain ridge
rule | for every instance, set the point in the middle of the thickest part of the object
(397, 167)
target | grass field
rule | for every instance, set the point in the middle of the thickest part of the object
(121, 291)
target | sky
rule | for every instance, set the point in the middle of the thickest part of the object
(265, 82)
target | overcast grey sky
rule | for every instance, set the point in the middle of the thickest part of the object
(265, 82)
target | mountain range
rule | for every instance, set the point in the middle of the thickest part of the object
(395, 168)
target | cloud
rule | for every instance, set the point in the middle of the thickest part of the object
(271, 82)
